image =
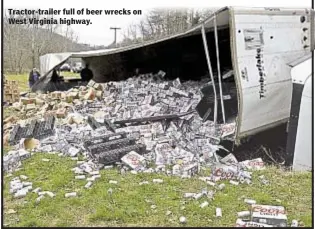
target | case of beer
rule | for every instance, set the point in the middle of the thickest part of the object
(272, 215)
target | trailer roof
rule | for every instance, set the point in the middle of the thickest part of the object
(50, 61)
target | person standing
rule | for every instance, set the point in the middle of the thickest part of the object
(33, 77)
(86, 73)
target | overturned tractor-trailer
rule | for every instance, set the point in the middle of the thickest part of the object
(247, 52)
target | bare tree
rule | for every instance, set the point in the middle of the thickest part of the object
(25, 43)
(159, 23)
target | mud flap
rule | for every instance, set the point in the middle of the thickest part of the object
(293, 122)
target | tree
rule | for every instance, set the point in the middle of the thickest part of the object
(160, 23)
(24, 44)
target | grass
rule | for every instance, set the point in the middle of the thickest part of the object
(23, 79)
(131, 203)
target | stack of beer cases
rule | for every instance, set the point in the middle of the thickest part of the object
(11, 91)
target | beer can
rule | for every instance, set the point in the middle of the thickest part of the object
(159, 181)
(294, 223)
(249, 201)
(91, 178)
(50, 194)
(108, 167)
(113, 182)
(144, 182)
(204, 204)
(71, 194)
(210, 183)
(20, 194)
(80, 177)
(96, 176)
(189, 195)
(221, 186)
(88, 184)
(243, 214)
(234, 182)
(182, 219)
(38, 199)
(218, 212)
(37, 190)
(198, 196)
(25, 184)
(95, 173)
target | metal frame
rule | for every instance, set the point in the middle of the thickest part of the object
(218, 64)
(204, 38)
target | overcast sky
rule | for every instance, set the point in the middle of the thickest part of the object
(98, 33)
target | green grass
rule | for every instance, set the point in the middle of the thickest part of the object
(129, 207)
(23, 79)
(70, 74)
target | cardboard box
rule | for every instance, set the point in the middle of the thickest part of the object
(133, 160)
(99, 94)
(30, 107)
(56, 95)
(272, 215)
(26, 101)
(224, 172)
(61, 113)
(191, 169)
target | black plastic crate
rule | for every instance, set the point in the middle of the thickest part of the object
(115, 155)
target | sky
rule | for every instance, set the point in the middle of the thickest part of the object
(99, 33)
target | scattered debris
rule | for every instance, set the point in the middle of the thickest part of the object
(243, 214)
(294, 223)
(141, 126)
(255, 164)
(234, 182)
(38, 199)
(48, 193)
(183, 220)
(80, 177)
(144, 182)
(110, 191)
(189, 195)
(71, 194)
(204, 204)
(10, 211)
(198, 196)
(11, 91)
(12, 161)
(88, 184)
(19, 189)
(23, 177)
(37, 190)
(249, 201)
(218, 212)
(221, 186)
(159, 181)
